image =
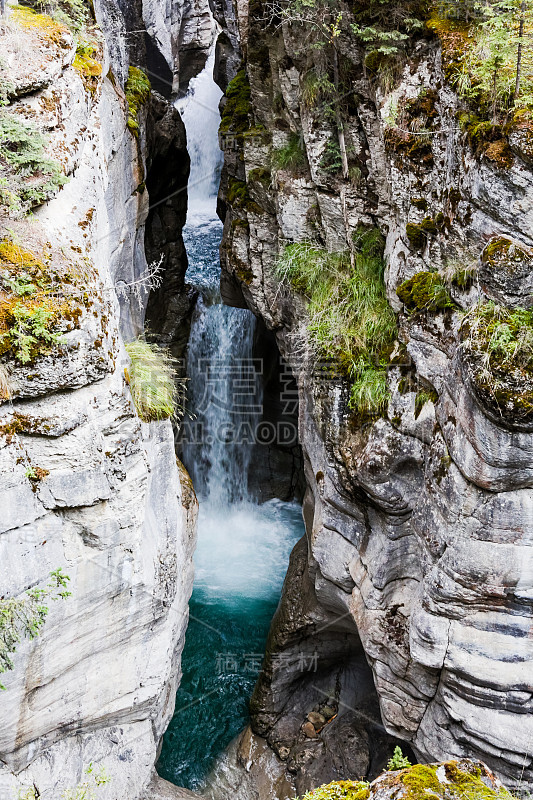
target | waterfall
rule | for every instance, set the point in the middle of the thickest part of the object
(243, 548)
(199, 111)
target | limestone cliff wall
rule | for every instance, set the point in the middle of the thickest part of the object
(416, 571)
(108, 504)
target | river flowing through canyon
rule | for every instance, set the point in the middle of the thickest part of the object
(243, 547)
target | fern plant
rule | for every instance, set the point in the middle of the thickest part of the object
(24, 617)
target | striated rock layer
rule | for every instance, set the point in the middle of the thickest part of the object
(414, 587)
(85, 486)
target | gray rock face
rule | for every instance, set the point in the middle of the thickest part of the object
(85, 486)
(418, 523)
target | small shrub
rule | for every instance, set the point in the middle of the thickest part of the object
(29, 177)
(137, 92)
(156, 390)
(25, 616)
(316, 88)
(291, 156)
(331, 161)
(398, 760)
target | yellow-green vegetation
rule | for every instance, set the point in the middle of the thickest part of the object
(340, 790)
(497, 343)
(351, 321)
(23, 617)
(237, 110)
(35, 304)
(87, 65)
(137, 91)
(425, 291)
(47, 28)
(27, 176)
(291, 156)
(75, 14)
(157, 391)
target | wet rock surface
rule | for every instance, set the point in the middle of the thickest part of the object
(418, 523)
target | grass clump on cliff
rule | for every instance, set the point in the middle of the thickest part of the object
(27, 176)
(36, 304)
(23, 617)
(291, 156)
(351, 321)
(137, 92)
(156, 390)
(497, 344)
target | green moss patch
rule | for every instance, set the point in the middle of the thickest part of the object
(497, 345)
(237, 110)
(137, 92)
(425, 291)
(238, 197)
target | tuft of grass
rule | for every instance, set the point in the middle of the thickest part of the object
(137, 92)
(498, 344)
(157, 391)
(291, 156)
(27, 176)
(316, 88)
(351, 321)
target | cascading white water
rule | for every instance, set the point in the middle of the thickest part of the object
(199, 111)
(243, 548)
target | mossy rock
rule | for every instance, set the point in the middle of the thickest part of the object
(238, 196)
(237, 110)
(425, 291)
(506, 272)
(137, 92)
(451, 780)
